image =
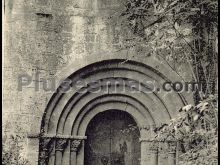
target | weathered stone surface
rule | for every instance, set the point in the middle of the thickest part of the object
(49, 38)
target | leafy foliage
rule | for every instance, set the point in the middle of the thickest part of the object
(196, 129)
(176, 31)
(12, 149)
(181, 32)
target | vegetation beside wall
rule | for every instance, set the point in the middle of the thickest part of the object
(13, 152)
(181, 32)
(196, 131)
(178, 32)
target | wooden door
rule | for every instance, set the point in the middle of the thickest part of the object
(112, 139)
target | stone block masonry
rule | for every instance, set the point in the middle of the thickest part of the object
(56, 39)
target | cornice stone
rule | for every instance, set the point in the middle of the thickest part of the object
(42, 136)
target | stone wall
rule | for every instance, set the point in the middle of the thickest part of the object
(45, 37)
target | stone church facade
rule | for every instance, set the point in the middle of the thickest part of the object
(73, 41)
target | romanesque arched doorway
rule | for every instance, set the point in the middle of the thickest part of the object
(113, 139)
(113, 84)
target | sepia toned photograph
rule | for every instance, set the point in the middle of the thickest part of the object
(110, 82)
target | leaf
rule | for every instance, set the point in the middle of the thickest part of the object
(202, 106)
(175, 127)
(199, 105)
(187, 128)
(187, 107)
(196, 117)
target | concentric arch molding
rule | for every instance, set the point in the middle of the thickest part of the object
(64, 109)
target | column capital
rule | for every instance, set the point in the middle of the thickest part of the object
(46, 147)
(153, 146)
(47, 144)
(172, 145)
(61, 144)
(75, 144)
(44, 143)
(163, 150)
(42, 157)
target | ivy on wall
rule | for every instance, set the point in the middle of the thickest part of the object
(180, 31)
(13, 148)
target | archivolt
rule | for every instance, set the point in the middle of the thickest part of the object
(66, 112)
(78, 101)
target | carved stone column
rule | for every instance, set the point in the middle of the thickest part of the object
(46, 147)
(162, 153)
(61, 144)
(172, 153)
(153, 148)
(145, 140)
(145, 154)
(74, 146)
